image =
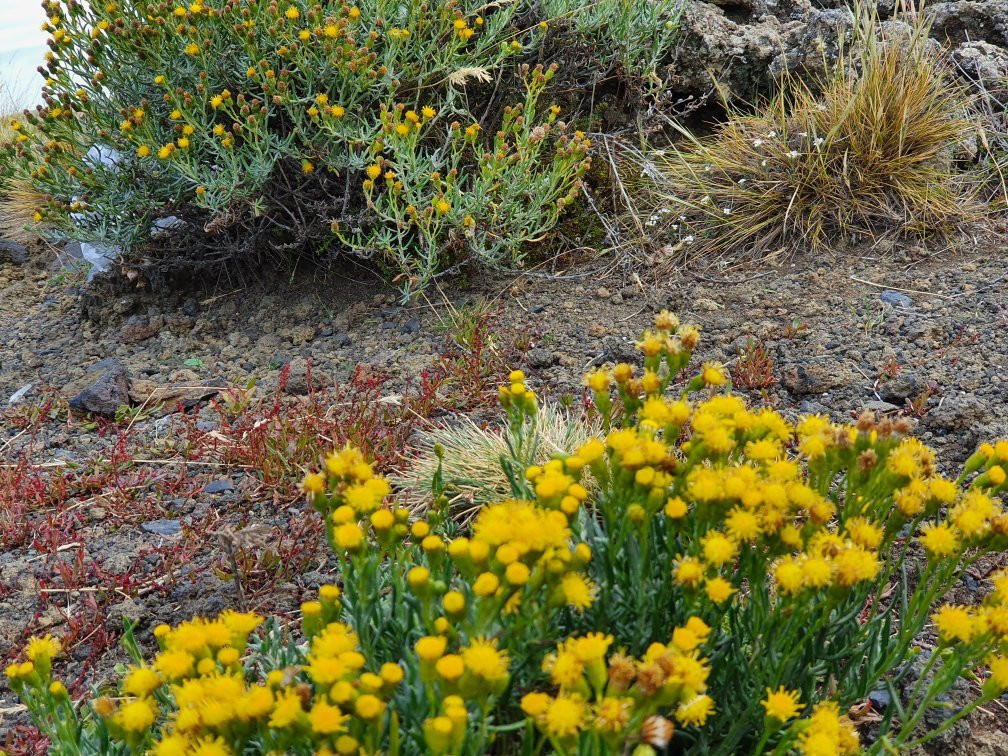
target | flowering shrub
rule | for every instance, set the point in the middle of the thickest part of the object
(732, 584)
(276, 124)
(304, 122)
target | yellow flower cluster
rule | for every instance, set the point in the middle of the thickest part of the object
(689, 508)
(37, 666)
(826, 732)
(212, 705)
(984, 628)
(517, 397)
(615, 699)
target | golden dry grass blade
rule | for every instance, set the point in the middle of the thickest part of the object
(472, 457)
(869, 149)
(471, 73)
(18, 204)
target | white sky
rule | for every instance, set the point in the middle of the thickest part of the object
(22, 45)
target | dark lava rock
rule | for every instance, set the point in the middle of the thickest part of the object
(138, 329)
(896, 298)
(880, 699)
(162, 527)
(958, 413)
(900, 388)
(616, 349)
(11, 250)
(105, 395)
(411, 326)
(190, 307)
(301, 378)
(540, 358)
(812, 376)
(219, 486)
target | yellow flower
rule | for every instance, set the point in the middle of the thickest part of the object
(863, 532)
(43, 648)
(564, 716)
(612, 715)
(292, 13)
(718, 548)
(326, 719)
(174, 664)
(788, 577)
(141, 681)
(137, 716)
(517, 573)
(718, 589)
(782, 704)
(348, 536)
(688, 572)
(854, 565)
(695, 711)
(939, 540)
(143, 150)
(713, 374)
(313, 483)
(742, 525)
(482, 658)
(450, 667)
(391, 674)
(999, 671)
(954, 623)
(578, 591)
(430, 648)
(486, 584)
(442, 206)
(535, 704)
(287, 710)
(192, 49)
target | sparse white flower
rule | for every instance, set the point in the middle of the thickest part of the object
(689, 239)
(793, 154)
(726, 210)
(771, 135)
(757, 142)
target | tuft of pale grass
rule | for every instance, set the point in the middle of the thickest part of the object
(18, 200)
(865, 151)
(18, 203)
(471, 466)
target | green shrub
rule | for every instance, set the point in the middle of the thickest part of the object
(750, 579)
(636, 34)
(865, 151)
(411, 131)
